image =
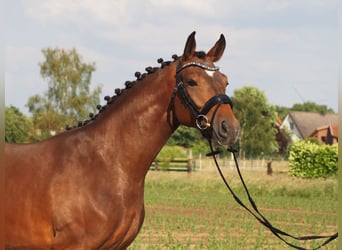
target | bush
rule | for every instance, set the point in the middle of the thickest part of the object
(169, 153)
(310, 160)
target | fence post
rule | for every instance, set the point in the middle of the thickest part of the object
(200, 161)
(269, 168)
(190, 161)
(231, 161)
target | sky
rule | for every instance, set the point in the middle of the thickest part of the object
(285, 48)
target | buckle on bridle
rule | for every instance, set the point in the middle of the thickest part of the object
(202, 122)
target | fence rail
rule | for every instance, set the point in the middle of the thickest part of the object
(177, 164)
(196, 163)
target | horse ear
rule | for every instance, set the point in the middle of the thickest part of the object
(216, 52)
(190, 46)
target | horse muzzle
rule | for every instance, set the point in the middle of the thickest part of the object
(226, 132)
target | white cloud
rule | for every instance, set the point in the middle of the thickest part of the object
(268, 40)
(122, 12)
(84, 12)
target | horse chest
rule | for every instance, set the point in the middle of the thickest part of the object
(98, 216)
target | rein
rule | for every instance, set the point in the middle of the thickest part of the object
(257, 214)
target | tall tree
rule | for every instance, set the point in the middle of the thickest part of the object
(68, 98)
(257, 119)
(18, 128)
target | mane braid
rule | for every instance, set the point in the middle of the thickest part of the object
(118, 91)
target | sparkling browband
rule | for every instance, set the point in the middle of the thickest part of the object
(197, 64)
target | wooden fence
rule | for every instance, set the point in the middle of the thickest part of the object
(196, 163)
(177, 164)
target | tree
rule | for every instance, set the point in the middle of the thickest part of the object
(184, 136)
(189, 138)
(282, 111)
(311, 107)
(68, 98)
(257, 119)
(306, 107)
(18, 128)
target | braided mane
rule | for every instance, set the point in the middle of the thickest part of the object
(128, 85)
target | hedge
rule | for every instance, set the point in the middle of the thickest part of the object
(310, 160)
(168, 154)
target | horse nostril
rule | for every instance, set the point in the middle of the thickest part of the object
(224, 127)
(224, 130)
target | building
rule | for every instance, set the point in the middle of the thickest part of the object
(303, 125)
(326, 134)
(281, 138)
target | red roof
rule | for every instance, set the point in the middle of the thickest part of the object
(334, 130)
(278, 122)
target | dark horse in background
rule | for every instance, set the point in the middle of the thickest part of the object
(84, 188)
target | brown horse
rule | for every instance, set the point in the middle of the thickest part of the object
(84, 188)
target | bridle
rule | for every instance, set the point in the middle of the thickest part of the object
(203, 125)
(202, 121)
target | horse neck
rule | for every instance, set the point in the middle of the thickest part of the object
(133, 129)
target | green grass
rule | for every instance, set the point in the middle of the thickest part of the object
(196, 211)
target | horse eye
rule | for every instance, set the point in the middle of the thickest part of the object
(192, 83)
(227, 83)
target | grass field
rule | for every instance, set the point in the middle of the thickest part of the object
(195, 211)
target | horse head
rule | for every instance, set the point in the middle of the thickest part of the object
(199, 99)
